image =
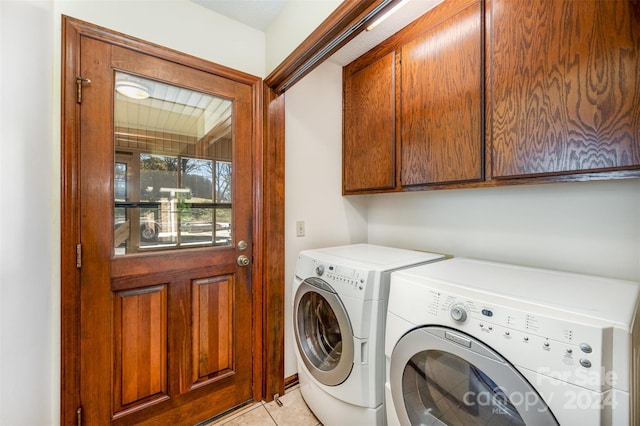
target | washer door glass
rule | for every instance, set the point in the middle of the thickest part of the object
(444, 377)
(323, 332)
(452, 390)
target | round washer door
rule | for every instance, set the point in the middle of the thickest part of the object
(323, 332)
(443, 377)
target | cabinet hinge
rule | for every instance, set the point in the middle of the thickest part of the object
(79, 256)
(79, 81)
(79, 416)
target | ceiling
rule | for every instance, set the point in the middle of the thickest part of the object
(257, 14)
(367, 40)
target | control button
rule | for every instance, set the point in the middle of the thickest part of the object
(506, 333)
(569, 351)
(490, 327)
(320, 270)
(526, 339)
(586, 348)
(585, 363)
(458, 313)
(546, 344)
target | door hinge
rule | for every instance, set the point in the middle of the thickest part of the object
(79, 256)
(79, 81)
(79, 416)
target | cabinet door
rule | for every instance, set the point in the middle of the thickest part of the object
(564, 86)
(441, 96)
(369, 127)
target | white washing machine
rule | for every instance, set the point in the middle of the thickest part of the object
(479, 343)
(339, 308)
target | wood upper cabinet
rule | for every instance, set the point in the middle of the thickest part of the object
(483, 93)
(413, 106)
(369, 126)
(564, 86)
(441, 102)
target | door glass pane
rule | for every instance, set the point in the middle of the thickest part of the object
(173, 167)
(440, 388)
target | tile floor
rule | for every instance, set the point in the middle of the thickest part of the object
(294, 412)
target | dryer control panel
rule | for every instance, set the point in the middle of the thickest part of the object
(537, 338)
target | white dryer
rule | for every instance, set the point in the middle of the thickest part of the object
(480, 343)
(339, 308)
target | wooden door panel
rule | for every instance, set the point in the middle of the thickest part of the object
(131, 61)
(96, 306)
(564, 87)
(140, 347)
(128, 271)
(213, 345)
(369, 126)
(442, 102)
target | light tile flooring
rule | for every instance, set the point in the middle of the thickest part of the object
(294, 412)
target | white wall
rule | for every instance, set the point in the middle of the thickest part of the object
(313, 179)
(30, 47)
(178, 24)
(28, 326)
(588, 227)
(296, 21)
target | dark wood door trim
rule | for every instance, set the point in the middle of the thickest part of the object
(343, 24)
(274, 279)
(347, 21)
(72, 31)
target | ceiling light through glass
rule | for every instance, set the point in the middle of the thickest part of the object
(132, 90)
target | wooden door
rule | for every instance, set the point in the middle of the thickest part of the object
(564, 86)
(166, 320)
(441, 101)
(369, 143)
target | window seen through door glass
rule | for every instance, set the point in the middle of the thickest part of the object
(173, 167)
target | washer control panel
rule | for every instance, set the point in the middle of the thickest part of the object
(345, 280)
(529, 336)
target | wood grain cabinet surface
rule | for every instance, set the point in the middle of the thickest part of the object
(413, 105)
(564, 86)
(484, 93)
(441, 102)
(369, 126)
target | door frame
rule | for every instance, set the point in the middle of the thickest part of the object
(348, 20)
(72, 31)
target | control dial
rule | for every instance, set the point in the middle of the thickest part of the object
(458, 313)
(320, 270)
